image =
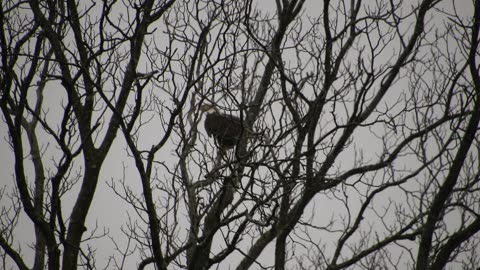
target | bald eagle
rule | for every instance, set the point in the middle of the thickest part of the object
(225, 128)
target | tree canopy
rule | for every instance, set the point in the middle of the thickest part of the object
(359, 146)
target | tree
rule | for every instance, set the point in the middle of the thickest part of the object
(359, 151)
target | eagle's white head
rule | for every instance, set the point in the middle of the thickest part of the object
(208, 108)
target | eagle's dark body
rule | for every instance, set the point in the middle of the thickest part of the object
(225, 128)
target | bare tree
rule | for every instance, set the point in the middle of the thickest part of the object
(359, 145)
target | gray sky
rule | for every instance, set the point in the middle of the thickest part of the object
(109, 212)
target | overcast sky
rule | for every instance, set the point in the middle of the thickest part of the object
(108, 211)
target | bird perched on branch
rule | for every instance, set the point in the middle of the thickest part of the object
(226, 129)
